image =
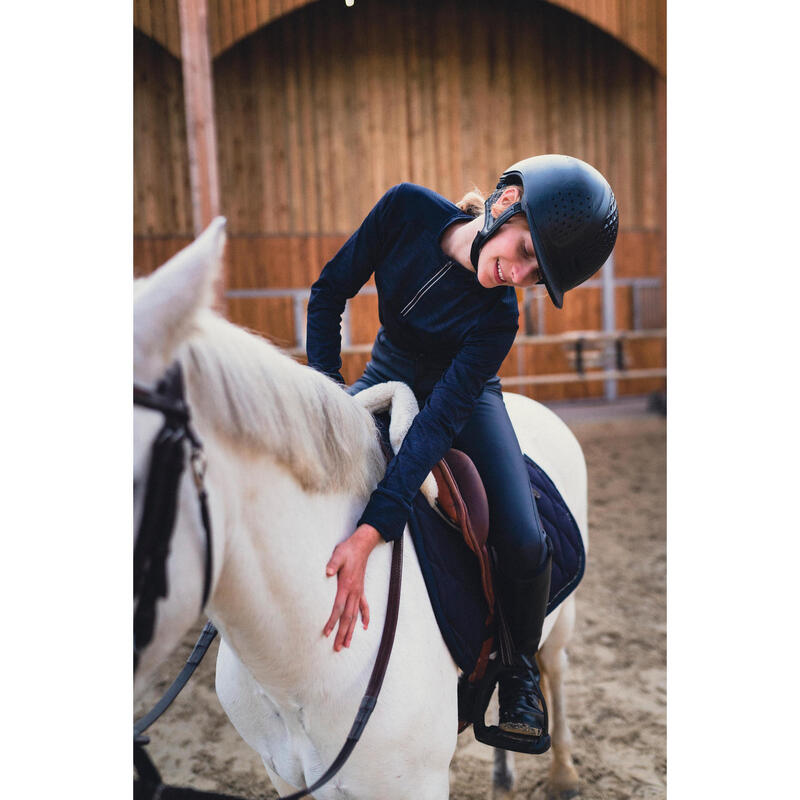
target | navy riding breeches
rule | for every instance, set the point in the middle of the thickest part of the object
(515, 531)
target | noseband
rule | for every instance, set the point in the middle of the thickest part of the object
(168, 460)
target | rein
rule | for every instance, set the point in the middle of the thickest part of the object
(150, 556)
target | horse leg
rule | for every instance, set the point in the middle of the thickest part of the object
(504, 775)
(563, 779)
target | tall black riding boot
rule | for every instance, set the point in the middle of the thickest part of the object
(522, 707)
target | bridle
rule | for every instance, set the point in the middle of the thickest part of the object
(168, 460)
(150, 554)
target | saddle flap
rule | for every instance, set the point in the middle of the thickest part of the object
(463, 500)
(470, 486)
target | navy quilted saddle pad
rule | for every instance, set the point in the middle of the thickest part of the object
(452, 574)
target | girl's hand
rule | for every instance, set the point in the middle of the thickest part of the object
(349, 560)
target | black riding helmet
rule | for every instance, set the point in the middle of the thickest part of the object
(572, 216)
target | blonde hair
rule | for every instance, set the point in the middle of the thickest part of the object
(472, 202)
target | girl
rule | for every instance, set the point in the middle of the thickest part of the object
(445, 277)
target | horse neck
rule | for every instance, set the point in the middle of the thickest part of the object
(291, 463)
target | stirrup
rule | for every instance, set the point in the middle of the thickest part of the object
(473, 702)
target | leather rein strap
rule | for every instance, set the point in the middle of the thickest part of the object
(376, 679)
(207, 636)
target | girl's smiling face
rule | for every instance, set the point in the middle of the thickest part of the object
(508, 258)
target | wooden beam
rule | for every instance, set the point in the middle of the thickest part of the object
(599, 375)
(199, 99)
(201, 132)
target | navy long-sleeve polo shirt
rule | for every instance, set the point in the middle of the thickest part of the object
(428, 304)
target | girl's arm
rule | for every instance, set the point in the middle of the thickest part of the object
(440, 420)
(341, 279)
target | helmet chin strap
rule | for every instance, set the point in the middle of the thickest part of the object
(490, 226)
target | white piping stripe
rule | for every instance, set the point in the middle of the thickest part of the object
(424, 288)
(414, 300)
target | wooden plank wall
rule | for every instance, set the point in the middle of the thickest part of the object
(159, 20)
(231, 20)
(323, 110)
(640, 24)
(162, 211)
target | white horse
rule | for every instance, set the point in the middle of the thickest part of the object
(292, 460)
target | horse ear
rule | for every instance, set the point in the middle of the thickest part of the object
(166, 301)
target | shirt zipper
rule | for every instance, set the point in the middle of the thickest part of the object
(429, 285)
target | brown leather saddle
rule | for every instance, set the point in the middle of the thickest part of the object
(473, 625)
(462, 501)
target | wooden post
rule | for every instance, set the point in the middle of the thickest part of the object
(198, 92)
(661, 121)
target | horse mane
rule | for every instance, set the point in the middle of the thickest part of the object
(267, 403)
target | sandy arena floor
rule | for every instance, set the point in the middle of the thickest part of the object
(616, 683)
